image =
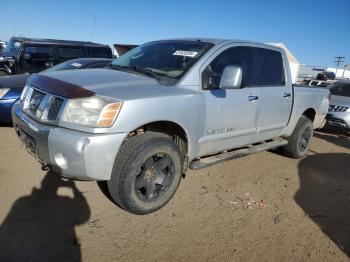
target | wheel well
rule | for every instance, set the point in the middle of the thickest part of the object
(173, 130)
(310, 113)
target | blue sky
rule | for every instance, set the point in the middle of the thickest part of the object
(315, 31)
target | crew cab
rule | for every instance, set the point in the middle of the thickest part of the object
(164, 107)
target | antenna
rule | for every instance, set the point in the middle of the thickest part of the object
(93, 28)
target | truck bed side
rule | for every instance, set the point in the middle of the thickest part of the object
(311, 102)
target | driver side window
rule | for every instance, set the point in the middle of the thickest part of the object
(239, 56)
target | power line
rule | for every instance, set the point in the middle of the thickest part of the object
(338, 60)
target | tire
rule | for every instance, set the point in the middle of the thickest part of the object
(147, 172)
(103, 186)
(300, 140)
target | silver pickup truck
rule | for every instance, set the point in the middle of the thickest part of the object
(162, 108)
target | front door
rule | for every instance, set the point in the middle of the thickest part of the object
(230, 113)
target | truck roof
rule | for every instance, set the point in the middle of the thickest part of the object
(56, 41)
(224, 41)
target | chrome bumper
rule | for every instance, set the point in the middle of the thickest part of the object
(70, 153)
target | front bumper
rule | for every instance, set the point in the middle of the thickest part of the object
(339, 119)
(70, 153)
(5, 109)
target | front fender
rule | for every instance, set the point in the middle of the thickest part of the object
(185, 110)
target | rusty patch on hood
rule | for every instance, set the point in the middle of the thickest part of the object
(59, 87)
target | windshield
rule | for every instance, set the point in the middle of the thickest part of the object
(168, 60)
(340, 89)
(11, 48)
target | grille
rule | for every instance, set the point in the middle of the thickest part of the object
(43, 106)
(55, 108)
(335, 108)
(35, 101)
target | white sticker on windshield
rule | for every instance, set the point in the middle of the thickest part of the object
(76, 64)
(186, 53)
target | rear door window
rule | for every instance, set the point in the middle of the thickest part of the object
(99, 52)
(69, 53)
(269, 70)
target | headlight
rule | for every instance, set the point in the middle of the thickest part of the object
(93, 111)
(3, 91)
(24, 92)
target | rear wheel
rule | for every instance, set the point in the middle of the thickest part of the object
(300, 140)
(147, 171)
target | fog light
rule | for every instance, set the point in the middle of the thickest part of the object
(61, 160)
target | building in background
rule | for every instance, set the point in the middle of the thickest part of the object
(308, 72)
(120, 49)
(340, 72)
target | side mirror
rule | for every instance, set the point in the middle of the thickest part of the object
(27, 56)
(231, 77)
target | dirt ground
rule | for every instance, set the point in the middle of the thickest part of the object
(264, 207)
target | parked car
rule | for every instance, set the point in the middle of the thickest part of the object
(162, 108)
(325, 75)
(11, 87)
(30, 55)
(2, 45)
(339, 109)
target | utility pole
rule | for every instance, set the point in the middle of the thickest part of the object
(338, 60)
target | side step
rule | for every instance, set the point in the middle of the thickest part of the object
(212, 160)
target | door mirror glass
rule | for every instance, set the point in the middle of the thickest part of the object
(231, 77)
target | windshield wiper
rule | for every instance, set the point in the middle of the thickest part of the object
(137, 69)
(146, 72)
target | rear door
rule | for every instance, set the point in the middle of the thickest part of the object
(36, 58)
(276, 97)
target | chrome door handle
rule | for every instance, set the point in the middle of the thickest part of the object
(253, 98)
(286, 95)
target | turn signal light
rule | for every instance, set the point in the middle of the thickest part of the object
(109, 114)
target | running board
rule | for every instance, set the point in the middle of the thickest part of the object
(212, 160)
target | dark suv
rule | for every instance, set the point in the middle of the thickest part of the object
(29, 55)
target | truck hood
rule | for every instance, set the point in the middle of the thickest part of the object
(103, 82)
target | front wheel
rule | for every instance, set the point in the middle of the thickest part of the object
(147, 171)
(300, 140)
